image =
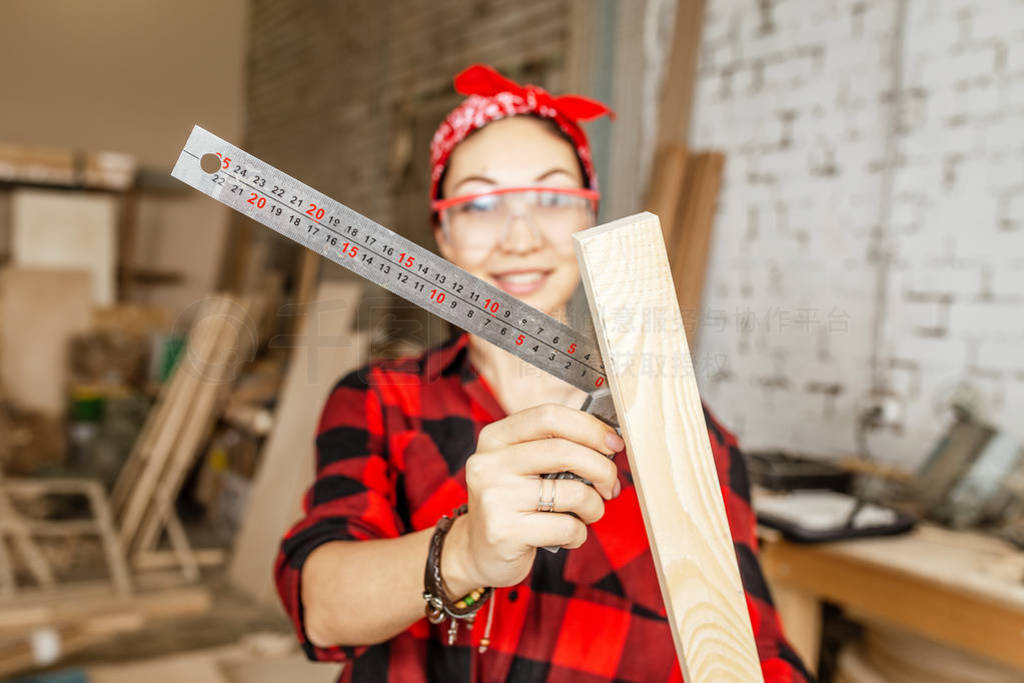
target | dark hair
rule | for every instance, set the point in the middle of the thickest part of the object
(552, 126)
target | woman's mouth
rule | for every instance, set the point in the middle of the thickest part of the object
(521, 282)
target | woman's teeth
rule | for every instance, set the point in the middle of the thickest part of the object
(522, 283)
(519, 278)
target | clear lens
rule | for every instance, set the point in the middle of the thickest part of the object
(484, 222)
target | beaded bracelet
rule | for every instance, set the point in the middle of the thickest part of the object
(435, 592)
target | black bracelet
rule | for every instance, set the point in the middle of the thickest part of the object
(435, 592)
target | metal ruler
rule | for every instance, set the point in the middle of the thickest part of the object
(271, 197)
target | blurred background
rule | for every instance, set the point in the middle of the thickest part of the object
(841, 185)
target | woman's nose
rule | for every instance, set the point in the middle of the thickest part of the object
(521, 234)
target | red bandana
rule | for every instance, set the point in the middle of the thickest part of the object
(492, 97)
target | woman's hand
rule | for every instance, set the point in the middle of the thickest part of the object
(494, 543)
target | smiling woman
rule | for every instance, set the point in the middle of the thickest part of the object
(429, 501)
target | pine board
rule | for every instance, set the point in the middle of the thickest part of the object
(626, 275)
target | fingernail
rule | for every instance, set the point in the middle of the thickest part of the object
(617, 490)
(614, 441)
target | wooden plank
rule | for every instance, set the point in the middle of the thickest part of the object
(691, 237)
(626, 275)
(287, 464)
(197, 353)
(164, 559)
(215, 378)
(71, 605)
(108, 538)
(40, 310)
(676, 102)
(12, 524)
(22, 656)
(666, 189)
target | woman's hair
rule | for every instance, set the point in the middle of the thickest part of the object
(548, 123)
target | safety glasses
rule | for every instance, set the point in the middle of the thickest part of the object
(483, 220)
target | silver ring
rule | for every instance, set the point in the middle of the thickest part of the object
(546, 504)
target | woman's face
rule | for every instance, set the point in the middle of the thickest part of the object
(519, 151)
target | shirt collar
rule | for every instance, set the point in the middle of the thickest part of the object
(451, 357)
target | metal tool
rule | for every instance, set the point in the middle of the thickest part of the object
(271, 197)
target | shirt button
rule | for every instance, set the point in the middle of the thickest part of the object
(513, 595)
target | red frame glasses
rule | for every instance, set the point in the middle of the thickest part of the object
(442, 204)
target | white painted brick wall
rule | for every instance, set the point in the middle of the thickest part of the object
(799, 94)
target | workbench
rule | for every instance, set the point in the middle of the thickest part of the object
(962, 589)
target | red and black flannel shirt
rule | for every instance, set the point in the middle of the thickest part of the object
(393, 439)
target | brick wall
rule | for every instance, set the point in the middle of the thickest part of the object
(870, 235)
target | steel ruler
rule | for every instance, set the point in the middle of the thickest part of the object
(277, 200)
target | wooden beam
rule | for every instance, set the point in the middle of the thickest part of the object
(629, 287)
(666, 190)
(676, 101)
(690, 239)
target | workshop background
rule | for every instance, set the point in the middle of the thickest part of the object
(842, 187)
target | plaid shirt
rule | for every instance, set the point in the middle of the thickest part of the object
(393, 439)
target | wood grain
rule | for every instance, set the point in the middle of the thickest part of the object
(629, 287)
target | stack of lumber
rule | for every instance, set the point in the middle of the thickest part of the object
(222, 336)
(66, 167)
(326, 350)
(683, 194)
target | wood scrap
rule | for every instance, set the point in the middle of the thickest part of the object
(625, 271)
(47, 645)
(208, 403)
(99, 524)
(146, 465)
(40, 310)
(222, 337)
(74, 604)
(287, 463)
(305, 290)
(73, 230)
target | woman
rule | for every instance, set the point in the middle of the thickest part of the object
(403, 444)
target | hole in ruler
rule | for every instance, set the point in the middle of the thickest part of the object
(210, 162)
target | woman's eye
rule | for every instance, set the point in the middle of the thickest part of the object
(481, 204)
(553, 199)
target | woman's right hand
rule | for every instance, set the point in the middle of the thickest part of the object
(495, 542)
